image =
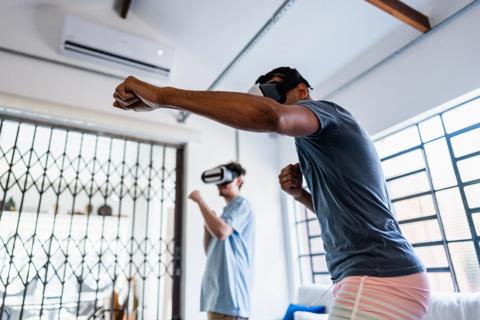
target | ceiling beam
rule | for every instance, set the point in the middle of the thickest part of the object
(404, 12)
(122, 7)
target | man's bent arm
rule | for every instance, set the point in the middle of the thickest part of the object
(215, 225)
(206, 239)
(305, 198)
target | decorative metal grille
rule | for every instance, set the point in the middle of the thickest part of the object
(90, 225)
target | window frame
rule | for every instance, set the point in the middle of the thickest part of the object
(432, 192)
(475, 238)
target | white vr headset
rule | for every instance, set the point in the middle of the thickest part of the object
(276, 90)
(219, 175)
(267, 90)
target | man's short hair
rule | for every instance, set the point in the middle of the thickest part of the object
(237, 168)
(284, 73)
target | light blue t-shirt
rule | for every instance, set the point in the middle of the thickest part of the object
(228, 275)
(344, 175)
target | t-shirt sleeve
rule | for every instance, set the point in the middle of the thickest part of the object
(326, 114)
(238, 216)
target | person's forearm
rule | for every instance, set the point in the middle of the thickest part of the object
(206, 239)
(238, 110)
(305, 198)
(215, 225)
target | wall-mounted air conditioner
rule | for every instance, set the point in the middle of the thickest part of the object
(89, 41)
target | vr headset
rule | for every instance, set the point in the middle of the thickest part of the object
(219, 176)
(276, 90)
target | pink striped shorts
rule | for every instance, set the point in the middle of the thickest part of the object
(381, 298)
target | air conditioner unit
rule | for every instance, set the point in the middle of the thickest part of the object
(92, 42)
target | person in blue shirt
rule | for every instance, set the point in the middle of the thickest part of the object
(229, 245)
(376, 272)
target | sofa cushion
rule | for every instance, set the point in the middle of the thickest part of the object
(443, 306)
(303, 315)
(454, 305)
(292, 308)
(315, 294)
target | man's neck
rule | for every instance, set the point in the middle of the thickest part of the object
(307, 98)
(231, 198)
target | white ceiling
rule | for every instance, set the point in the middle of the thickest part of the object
(329, 41)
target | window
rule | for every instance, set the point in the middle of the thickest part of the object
(311, 255)
(88, 224)
(432, 169)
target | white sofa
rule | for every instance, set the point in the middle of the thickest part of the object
(443, 306)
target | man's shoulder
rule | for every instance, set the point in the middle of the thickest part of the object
(244, 201)
(238, 202)
(244, 204)
(317, 103)
(324, 104)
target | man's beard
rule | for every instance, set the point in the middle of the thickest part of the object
(221, 193)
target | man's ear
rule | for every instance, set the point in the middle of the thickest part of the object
(303, 91)
(239, 181)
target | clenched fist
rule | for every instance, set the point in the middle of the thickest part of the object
(290, 179)
(195, 196)
(133, 94)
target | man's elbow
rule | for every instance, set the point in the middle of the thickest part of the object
(268, 118)
(222, 236)
(223, 233)
(277, 119)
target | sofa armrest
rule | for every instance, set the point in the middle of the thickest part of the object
(313, 293)
(454, 305)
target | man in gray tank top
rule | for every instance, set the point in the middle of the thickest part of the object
(377, 273)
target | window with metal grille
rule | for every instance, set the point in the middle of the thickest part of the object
(433, 177)
(311, 255)
(432, 169)
(90, 224)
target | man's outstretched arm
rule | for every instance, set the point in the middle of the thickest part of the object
(237, 110)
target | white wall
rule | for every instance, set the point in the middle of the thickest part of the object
(288, 155)
(67, 93)
(440, 67)
(259, 154)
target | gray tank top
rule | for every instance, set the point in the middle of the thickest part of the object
(343, 172)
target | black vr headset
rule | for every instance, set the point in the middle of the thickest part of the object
(219, 176)
(277, 90)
